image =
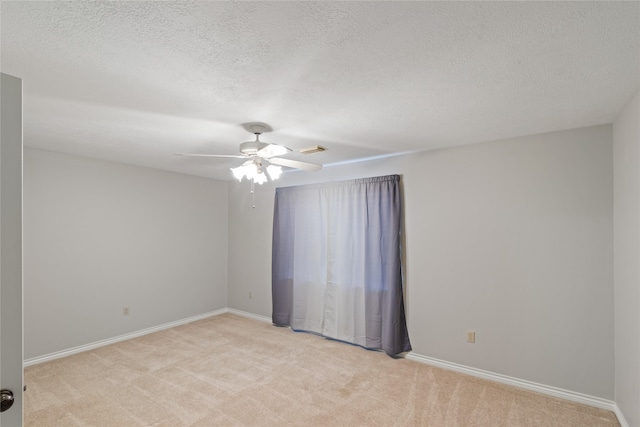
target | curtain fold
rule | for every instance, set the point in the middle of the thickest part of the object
(336, 268)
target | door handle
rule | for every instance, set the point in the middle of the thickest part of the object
(6, 400)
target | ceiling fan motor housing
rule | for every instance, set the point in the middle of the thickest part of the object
(251, 148)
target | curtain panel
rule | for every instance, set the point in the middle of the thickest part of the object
(336, 266)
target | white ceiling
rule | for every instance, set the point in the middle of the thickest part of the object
(136, 82)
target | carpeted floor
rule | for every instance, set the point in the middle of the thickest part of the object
(232, 371)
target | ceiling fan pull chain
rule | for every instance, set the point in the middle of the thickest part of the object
(253, 193)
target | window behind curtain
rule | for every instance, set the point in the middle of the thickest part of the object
(336, 267)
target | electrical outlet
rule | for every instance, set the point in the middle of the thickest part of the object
(250, 295)
(125, 311)
(471, 336)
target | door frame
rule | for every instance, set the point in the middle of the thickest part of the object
(11, 321)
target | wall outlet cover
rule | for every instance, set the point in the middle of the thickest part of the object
(471, 336)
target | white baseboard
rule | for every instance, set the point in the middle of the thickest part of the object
(621, 419)
(250, 315)
(102, 343)
(516, 382)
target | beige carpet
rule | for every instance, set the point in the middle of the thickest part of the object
(232, 371)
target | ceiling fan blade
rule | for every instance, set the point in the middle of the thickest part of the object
(233, 156)
(272, 150)
(311, 167)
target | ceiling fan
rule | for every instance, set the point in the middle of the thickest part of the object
(261, 157)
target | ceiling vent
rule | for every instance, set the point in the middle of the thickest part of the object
(313, 149)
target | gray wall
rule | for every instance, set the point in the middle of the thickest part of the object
(626, 160)
(512, 239)
(99, 236)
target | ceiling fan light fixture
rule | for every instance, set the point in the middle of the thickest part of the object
(238, 172)
(256, 173)
(260, 177)
(274, 172)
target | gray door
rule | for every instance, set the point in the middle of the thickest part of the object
(11, 250)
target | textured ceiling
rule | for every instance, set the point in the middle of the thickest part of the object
(137, 82)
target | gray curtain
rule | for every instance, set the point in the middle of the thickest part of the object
(336, 268)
